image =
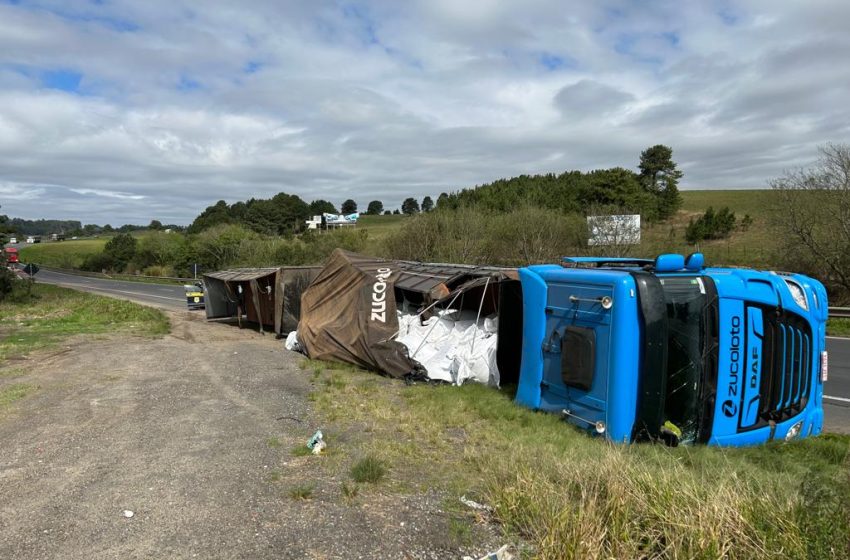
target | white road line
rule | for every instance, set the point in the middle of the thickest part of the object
(110, 290)
(839, 399)
(838, 337)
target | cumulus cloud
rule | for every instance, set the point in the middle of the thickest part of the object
(129, 111)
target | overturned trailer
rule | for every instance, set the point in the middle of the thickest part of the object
(267, 297)
(403, 318)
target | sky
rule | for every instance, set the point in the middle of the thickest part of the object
(126, 111)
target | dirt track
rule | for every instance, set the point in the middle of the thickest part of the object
(178, 431)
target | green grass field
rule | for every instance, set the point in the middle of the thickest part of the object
(53, 314)
(63, 254)
(379, 228)
(567, 495)
(755, 247)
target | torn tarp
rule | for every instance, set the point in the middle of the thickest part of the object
(348, 314)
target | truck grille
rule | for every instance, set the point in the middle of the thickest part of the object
(787, 368)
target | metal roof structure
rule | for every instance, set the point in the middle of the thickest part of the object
(242, 274)
(424, 277)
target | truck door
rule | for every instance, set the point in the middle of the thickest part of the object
(576, 350)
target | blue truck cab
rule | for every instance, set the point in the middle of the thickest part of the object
(669, 349)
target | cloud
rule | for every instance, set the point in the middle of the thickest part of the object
(589, 99)
(129, 111)
(109, 194)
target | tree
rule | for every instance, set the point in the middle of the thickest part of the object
(213, 215)
(320, 206)
(387, 213)
(442, 200)
(155, 225)
(410, 206)
(348, 207)
(120, 249)
(375, 208)
(427, 204)
(811, 218)
(396, 211)
(711, 225)
(660, 178)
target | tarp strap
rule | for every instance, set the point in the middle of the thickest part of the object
(430, 330)
(255, 299)
(420, 314)
(480, 306)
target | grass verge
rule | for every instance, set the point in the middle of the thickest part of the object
(569, 495)
(838, 327)
(15, 392)
(52, 314)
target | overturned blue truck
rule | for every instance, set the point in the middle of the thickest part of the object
(669, 349)
(662, 349)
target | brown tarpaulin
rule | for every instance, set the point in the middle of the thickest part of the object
(348, 314)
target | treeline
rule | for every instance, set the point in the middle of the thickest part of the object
(43, 227)
(652, 191)
(75, 227)
(285, 214)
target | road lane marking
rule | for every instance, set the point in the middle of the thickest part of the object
(838, 337)
(839, 399)
(109, 290)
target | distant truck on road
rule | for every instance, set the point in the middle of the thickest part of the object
(668, 349)
(33, 239)
(11, 254)
(57, 237)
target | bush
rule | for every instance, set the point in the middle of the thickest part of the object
(121, 249)
(711, 225)
(470, 235)
(158, 270)
(7, 282)
(98, 262)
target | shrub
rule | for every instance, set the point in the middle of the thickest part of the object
(711, 225)
(121, 249)
(470, 235)
(368, 469)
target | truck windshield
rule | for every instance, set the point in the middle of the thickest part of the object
(686, 303)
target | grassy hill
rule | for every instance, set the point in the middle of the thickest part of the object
(754, 247)
(63, 254)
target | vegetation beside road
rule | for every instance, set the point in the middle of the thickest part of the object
(838, 327)
(49, 315)
(568, 495)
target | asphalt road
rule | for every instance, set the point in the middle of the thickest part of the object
(160, 295)
(836, 400)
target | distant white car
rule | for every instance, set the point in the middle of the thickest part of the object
(30, 239)
(13, 240)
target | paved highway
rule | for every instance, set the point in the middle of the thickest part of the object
(166, 296)
(836, 401)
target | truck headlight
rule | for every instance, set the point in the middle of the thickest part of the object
(794, 431)
(797, 293)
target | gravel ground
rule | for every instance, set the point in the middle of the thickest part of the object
(179, 431)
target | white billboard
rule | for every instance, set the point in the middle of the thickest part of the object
(613, 230)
